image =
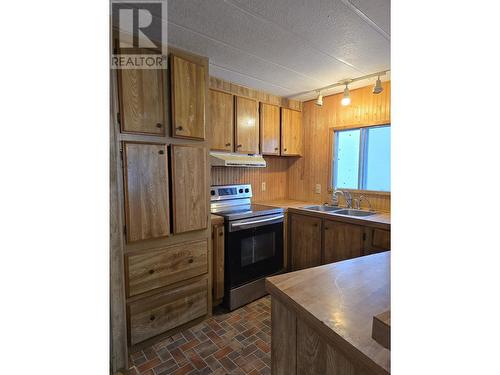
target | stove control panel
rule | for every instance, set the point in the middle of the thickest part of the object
(224, 192)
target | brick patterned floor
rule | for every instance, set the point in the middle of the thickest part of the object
(228, 343)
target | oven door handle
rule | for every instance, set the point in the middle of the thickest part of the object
(235, 226)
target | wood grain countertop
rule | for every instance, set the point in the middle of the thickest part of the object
(380, 220)
(339, 300)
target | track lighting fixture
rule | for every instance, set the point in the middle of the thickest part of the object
(346, 100)
(377, 89)
(319, 100)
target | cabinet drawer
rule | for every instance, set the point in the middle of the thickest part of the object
(167, 310)
(154, 269)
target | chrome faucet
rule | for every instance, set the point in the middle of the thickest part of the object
(358, 202)
(347, 196)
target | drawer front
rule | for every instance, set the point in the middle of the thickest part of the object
(166, 266)
(167, 310)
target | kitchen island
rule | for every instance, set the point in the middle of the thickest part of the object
(322, 318)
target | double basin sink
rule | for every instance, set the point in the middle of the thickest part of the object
(339, 210)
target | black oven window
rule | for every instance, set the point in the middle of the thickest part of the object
(257, 248)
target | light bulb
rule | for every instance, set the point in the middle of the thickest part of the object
(346, 100)
(377, 89)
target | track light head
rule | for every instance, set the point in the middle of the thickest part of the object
(319, 100)
(377, 89)
(346, 100)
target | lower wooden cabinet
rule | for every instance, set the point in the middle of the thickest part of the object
(313, 241)
(377, 240)
(218, 262)
(342, 241)
(305, 241)
(164, 311)
(154, 269)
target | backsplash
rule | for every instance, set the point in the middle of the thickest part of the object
(274, 175)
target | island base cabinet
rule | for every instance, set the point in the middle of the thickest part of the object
(298, 349)
(167, 310)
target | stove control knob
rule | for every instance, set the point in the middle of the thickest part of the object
(240, 191)
(247, 190)
(212, 192)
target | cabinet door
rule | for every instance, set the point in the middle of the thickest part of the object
(189, 196)
(291, 132)
(269, 129)
(247, 128)
(377, 240)
(189, 89)
(146, 191)
(342, 241)
(218, 261)
(142, 108)
(221, 120)
(305, 241)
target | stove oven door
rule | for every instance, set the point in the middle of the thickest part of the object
(254, 249)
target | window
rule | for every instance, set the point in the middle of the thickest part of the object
(362, 159)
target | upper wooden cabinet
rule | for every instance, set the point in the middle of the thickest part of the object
(146, 191)
(221, 118)
(247, 127)
(305, 241)
(291, 132)
(142, 106)
(269, 129)
(189, 195)
(189, 90)
(341, 241)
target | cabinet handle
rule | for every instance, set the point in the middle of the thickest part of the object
(152, 317)
(221, 233)
(191, 260)
(151, 272)
(276, 149)
(179, 128)
(228, 144)
(326, 228)
(159, 125)
(284, 149)
(238, 146)
(315, 224)
(161, 152)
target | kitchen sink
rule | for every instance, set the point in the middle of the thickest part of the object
(351, 212)
(321, 208)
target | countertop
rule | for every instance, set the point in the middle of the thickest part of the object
(216, 219)
(380, 219)
(339, 300)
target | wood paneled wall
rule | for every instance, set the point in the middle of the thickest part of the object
(274, 175)
(314, 167)
(296, 177)
(232, 88)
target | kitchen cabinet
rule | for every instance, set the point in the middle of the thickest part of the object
(218, 262)
(377, 240)
(291, 132)
(150, 270)
(305, 241)
(341, 241)
(164, 311)
(269, 129)
(189, 195)
(221, 117)
(141, 101)
(146, 191)
(189, 91)
(247, 127)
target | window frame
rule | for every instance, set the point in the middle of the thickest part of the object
(333, 144)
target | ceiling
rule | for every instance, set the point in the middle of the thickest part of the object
(285, 47)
